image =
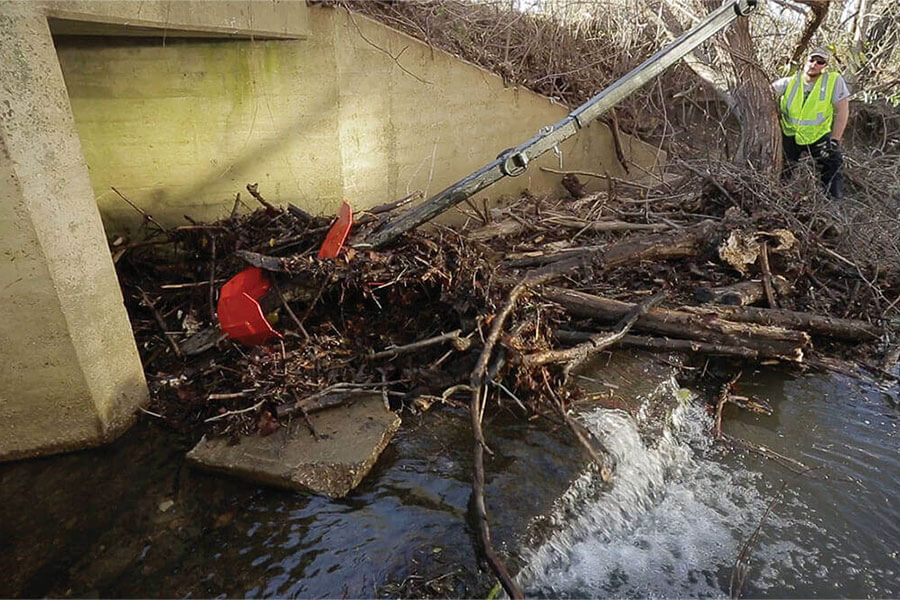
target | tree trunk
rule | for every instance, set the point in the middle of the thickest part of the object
(755, 106)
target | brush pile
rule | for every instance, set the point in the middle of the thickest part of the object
(513, 300)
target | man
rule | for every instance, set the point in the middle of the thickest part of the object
(815, 106)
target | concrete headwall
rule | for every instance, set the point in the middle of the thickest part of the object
(70, 374)
(356, 110)
(179, 104)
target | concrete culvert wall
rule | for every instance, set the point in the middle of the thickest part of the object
(357, 110)
(179, 106)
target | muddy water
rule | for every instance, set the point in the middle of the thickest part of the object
(129, 520)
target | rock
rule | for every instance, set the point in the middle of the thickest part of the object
(351, 437)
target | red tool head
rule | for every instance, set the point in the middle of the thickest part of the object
(336, 236)
(240, 315)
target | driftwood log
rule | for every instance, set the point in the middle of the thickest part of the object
(844, 329)
(767, 340)
(663, 344)
(682, 243)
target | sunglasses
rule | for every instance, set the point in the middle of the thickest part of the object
(817, 60)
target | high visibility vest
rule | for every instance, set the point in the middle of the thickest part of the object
(808, 119)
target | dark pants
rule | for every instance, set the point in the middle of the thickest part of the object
(828, 158)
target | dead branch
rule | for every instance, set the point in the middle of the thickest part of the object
(475, 409)
(162, 324)
(597, 342)
(147, 216)
(766, 274)
(253, 188)
(459, 342)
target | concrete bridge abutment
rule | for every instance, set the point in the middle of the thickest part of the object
(315, 104)
(70, 376)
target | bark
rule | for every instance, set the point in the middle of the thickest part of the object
(501, 228)
(844, 329)
(755, 106)
(666, 344)
(679, 244)
(603, 225)
(594, 343)
(683, 243)
(740, 82)
(819, 12)
(743, 293)
(769, 341)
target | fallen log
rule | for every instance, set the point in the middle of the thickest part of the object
(605, 225)
(769, 341)
(594, 343)
(664, 344)
(844, 329)
(682, 243)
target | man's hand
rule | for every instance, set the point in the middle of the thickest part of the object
(833, 145)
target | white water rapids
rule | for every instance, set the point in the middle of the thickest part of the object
(670, 524)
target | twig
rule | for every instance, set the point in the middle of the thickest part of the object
(162, 324)
(725, 391)
(192, 284)
(462, 343)
(147, 217)
(396, 58)
(613, 123)
(605, 176)
(212, 282)
(253, 189)
(231, 413)
(740, 568)
(287, 307)
(230, 396)
(237, 202)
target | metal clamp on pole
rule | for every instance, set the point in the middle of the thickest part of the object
(744, 7)
(514, 164)
(514, 161)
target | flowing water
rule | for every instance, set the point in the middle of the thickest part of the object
(679, 512)
(129, 521)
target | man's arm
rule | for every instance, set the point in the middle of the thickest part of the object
(841, 115)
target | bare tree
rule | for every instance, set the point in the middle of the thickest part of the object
(734, 72)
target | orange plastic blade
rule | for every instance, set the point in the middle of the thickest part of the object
(240, 315)
(334, 241)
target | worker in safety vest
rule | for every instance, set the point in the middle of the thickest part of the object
(815, 106)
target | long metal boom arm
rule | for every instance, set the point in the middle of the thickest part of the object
(514, 161)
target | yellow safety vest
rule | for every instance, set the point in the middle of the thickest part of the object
(808, 119)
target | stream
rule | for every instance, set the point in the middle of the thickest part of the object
(130, 520)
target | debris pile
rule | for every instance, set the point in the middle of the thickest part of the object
(530, 290)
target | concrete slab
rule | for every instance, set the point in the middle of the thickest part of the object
(350, 440)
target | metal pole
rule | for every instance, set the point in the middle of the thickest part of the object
(514, 161)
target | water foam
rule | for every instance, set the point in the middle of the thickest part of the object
(670, 524)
